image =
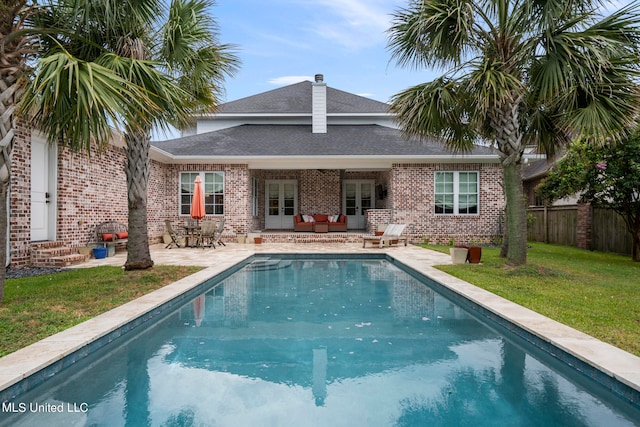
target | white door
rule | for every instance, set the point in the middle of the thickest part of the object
(358, 197)
(41, 192)
(281, 204)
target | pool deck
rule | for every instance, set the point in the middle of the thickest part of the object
(14, 367)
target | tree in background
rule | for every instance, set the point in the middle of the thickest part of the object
(86, 98)
(606, 176)
(518, 73)
(171, 52)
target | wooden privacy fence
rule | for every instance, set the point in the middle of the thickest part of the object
(555, 224)
(559, 225)
(609, 232)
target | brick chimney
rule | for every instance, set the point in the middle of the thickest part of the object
(319, 105)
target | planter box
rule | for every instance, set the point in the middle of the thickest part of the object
(458, 255)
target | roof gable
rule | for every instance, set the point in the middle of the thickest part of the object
(297, 99)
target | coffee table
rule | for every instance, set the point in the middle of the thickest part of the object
(321, 227)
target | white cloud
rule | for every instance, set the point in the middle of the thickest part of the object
(353, 24)
(289, 80)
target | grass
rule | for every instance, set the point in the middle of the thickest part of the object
(594, 292)
(37, 307)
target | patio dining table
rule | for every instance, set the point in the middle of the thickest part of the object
(192, 234)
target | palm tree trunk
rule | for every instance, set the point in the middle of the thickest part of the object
(506, 124)
(516, 215)
(138, 170)
(12, 65)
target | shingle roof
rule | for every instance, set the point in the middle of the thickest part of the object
(298, 140)
(296, 98)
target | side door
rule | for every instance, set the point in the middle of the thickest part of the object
(42, 217)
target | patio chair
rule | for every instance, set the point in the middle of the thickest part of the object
(219, 231)
(174, 237)
(208, 233)
(391, 235)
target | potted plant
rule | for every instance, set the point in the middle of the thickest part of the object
(255, 237)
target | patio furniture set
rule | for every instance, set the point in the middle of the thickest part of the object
(198, 234)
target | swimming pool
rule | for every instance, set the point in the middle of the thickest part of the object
(315, 341)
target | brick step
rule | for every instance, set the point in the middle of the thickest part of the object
(65, 261)
(55, 254)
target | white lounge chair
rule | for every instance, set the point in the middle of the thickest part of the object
(393, 233)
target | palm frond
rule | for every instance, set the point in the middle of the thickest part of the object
(77, 102)
(436, 109)
(433, 33)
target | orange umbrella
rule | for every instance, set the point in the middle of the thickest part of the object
(197, 203)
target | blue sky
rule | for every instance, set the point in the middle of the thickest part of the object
(286, 41)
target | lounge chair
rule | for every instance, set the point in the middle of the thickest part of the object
(172, 234)
(391, 235)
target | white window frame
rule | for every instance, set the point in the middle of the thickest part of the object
(254, 196)
(210, 207)
(456, 193)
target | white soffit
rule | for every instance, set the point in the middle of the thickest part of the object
(318, 162)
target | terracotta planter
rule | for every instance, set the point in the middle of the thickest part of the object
(475, 253)
(257, 240)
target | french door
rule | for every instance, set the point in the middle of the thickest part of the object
(358, 197)
(281, 203)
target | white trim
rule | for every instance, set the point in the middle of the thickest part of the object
(367, 162)
(456, 193)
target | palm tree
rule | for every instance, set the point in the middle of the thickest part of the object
(519, 73)
(85, 87)
(172, 53)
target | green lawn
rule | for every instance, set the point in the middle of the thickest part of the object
(594, 292)
(36, 307)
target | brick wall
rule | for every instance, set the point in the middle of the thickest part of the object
(20, 199)
(92, 189)
(411, 193)
(237, 201)
(584, 224)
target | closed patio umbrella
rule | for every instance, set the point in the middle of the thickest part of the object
(198, 309)
(197, 203)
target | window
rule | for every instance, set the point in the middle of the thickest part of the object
(213, 191)
(456, 193)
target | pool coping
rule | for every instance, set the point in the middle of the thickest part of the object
(605, 358)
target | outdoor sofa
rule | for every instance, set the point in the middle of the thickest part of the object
(307, 222)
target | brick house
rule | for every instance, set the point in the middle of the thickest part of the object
(304, 148)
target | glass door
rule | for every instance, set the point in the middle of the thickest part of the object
(358, 197)
(281, 204)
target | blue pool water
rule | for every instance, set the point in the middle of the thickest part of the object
(318, 342)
